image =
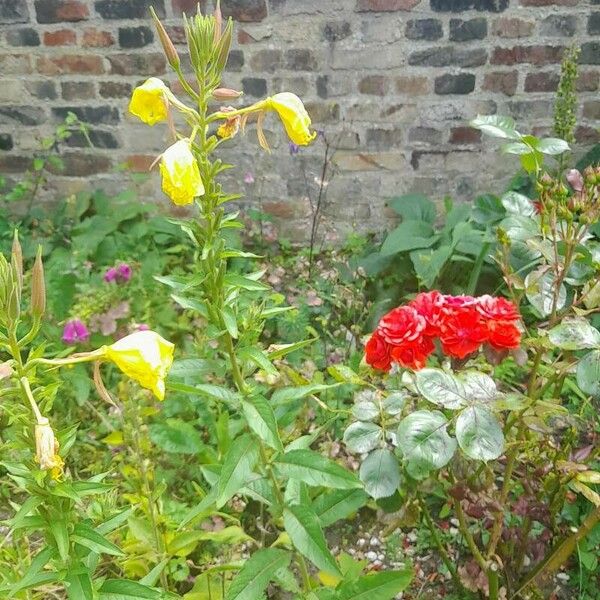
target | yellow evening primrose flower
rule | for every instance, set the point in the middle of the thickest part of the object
(294, 117)
(46, 449)
(180, 174)
(144, 356)
(149, 101)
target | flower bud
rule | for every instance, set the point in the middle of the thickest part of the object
(224, 94)
(38, 287)
(224, 46)
(13, 308)
(218, 22)
(17, 257)
(575, 178)
(167, 44)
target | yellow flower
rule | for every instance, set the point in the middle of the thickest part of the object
(149, 101)
(144, 356)
(46, 449)
(180, 174)
(295, 119)
(229, 128)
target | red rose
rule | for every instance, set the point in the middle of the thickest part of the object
(413, 356)
(503, 335)
(499, 309)
(377, 353)
(401, 326)
(452, 303)
(462, 332)
(430, 306)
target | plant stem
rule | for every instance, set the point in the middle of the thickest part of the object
(304, 572)
(468, 537)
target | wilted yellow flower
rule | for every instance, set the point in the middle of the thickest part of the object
(229, 128)
(149, 101)
(144, 356)
(180, 174)
(294, 117)
(46, 449)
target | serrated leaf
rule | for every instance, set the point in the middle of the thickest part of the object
(540, 288)
(518, 204)
(441, 388)
(302, 525)
(588, 374)
(365, 410)
(362, 436)
(574, 334)
(423, 438)
(315, 469)
(553, 146)
(479, 434)
(252, 580)
(479, 387)
(380, 473)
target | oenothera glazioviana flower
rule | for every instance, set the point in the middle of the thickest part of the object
(181, 179)
(145, 357)
(46, 449)
(150, 102)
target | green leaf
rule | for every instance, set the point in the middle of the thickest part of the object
(239, 281)
(429, 263)
(125, 589)
(540, 289)
(518, 204)
(345, 374)
(261, 419)
(394, 403)
(91, 539)
(365, 410)
(79, 586)
(315, 469)
(496, 126)
(377, 586)
(302, 525)
(532, 162)
(338, 504)
(441, 388)
(362, 436)
(252, 580)
(285, 349)
(409, 235)
(190, 304)
(214, 392)
(516, 148)
(479, 387)
(290, 394)
(423, 438)
(414, 207)
(154, 574)
(185, 543)
(380, 473)
(552, 146)
(176, 436)
(479, 434)
(237, 467)
(574, 334)
(259, 358)
(58, 528)
(588, 374)
(230, 321)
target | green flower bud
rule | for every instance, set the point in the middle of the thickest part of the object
(38, 287)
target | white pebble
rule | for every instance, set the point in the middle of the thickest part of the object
(371, 556)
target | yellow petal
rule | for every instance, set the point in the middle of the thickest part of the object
(149, 101)
(294, 117)
(145, 357)
(181, 179)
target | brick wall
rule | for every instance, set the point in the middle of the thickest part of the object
(391, 82)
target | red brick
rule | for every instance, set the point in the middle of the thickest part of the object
(504, 82)
(176, 34)
(588, 81)
(188, 7)
(535, 55)
(506, 27)
(375, 85)
(62, 37)
(591, 110)
(412, 85)
(541, 82)
(137, 64)
(95, 38)
(76, 164)
(14, 164)
(244, 37)
(587, 135)
(55, 11)
(464, 135)
(70, 63)
(140, 163)
(385, 5)
(549, 2)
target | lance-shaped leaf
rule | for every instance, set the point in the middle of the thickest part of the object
(237, 468)
(261, 419)
(377, 586)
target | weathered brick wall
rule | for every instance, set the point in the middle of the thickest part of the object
(391, 82)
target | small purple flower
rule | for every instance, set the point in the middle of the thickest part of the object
(75, 331)
(124, 272)
(294, 148)
(143, 327)
(248, 178)
(111, 275)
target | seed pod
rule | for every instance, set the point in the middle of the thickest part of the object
(38, 287)
(167, 44)
(17, 257)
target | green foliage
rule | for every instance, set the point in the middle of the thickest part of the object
(565, 106)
